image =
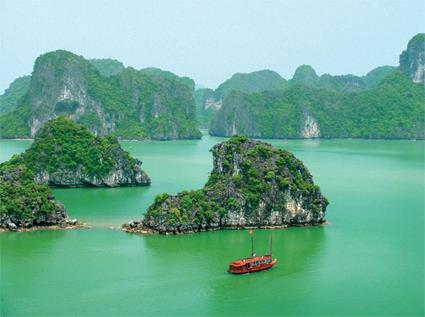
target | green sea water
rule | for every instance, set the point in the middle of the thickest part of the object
(369, 259)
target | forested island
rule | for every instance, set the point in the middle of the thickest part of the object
(66, 154)
(26, 204)
(102, 95)
(109, 98)
(63, 154)
(252, 184)
(392, 110)
(386, 103)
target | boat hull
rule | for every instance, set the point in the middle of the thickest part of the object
(252, 269)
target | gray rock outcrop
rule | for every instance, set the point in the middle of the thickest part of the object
(412, 60)
(252, 184)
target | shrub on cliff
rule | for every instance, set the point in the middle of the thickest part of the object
(24, 202)
(68, 154)
(251, 184)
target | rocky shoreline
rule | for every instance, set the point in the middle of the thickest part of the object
(138, 228)
(71, 224)
(252, 185)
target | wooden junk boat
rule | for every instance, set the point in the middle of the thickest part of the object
(253, 263)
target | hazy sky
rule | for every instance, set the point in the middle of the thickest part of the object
(209, 41)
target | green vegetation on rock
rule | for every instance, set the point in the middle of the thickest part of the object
(63, 154)
(252, 82)
(207, 104)
(209, 101)
(24, 202)
(160, 101)
(251, 184)
(107, 66)
(305, 75)
(12, 95)
(392, 110)
(67, 154)
(15, 124)
(383, 104)
(376, 75)
(106, 98)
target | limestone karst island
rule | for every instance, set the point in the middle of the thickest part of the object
(252, 184)
(226, 158)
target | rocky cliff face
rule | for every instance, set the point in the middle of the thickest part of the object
(207, 104)
(310, 128)
(59, 86)
(95, 93)
(67, 155)
(24, 203)
(124, 172)
(243, 103)
(412, 60)
(239, 121)
(163, 102)
(210, 101)
(393, 109)
(252, 184)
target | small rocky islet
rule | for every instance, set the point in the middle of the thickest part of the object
(252, 184)
(26, 204)
(63, 154)
(66, 154)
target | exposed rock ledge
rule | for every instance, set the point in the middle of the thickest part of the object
(252, 185)
(62, 226)
(310, 128)
(134, 226)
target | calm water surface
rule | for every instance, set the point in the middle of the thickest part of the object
(368, 261)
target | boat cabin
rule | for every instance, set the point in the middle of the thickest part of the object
(252, 264)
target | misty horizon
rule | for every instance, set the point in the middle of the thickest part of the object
(211, 42)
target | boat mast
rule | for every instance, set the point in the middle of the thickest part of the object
(271, 245)
(252, 242)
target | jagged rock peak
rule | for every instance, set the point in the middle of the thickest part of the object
(412, 60)
(262, 80)
(157, 105)
(305, 74)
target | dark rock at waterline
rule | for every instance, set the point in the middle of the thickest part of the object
(26, 204)
(252, 184)
(65, 154)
